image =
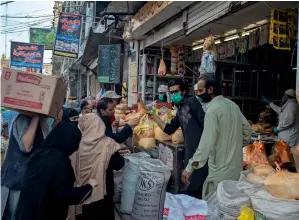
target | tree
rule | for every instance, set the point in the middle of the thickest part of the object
(3, 57)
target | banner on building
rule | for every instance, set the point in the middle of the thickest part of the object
(27, 57)
(45, 36)
(109, 63)
(68, 32)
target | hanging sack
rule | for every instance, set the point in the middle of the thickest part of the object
(162, 68)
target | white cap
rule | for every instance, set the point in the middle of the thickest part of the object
(163, 88)
(291, 92)
(195, 87)
(111, 94)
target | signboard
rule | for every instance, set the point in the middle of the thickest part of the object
(89, 19)
(68, 35)
(26, 57)
(109, 63)
(149, 10)
(45, 36)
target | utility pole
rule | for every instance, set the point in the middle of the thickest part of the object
(6, 8)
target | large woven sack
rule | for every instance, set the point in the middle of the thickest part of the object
(151, 190)
(130, 177)
(230, 200)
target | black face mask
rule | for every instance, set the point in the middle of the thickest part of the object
(205, 97)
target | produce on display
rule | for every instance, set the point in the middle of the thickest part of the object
(260, 127)
(178, 137)
(144, 135)
(254, 178)
(150, 190)
(283, 184)
(255, 154)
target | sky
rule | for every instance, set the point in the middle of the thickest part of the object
(17, 29)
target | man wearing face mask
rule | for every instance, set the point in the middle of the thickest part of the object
(162, 97)
(225, 132)
(288, 126)
(196, 93)
(189, 117)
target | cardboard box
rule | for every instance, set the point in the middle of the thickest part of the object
(32, 92)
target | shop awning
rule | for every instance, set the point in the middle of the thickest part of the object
(94, 40)
(254, 13)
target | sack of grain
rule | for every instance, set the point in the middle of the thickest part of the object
(151, 190)
(130, 177)
(178, 137)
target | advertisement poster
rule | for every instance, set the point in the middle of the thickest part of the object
(68, 35)
(45, 36)
(27, 57)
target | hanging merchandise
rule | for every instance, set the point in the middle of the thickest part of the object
(181, 60)
(208, 64)
(162, 67)
(149, 65)
(243, 44)
(282, 28)
(264, 32)
(174, 59)
(222, 50)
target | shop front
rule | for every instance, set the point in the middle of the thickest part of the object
(255, 58)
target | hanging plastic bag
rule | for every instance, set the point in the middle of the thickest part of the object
(255, 154)
(179, 207)
(162, 68)
(144, 135)
(283, 184)
(178, 137)
(280, 153)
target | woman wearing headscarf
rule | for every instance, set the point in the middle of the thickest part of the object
(92, 161)
(70, 115)
(28, 131)
(49, 177)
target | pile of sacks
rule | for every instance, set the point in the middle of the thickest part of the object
(271, 194)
